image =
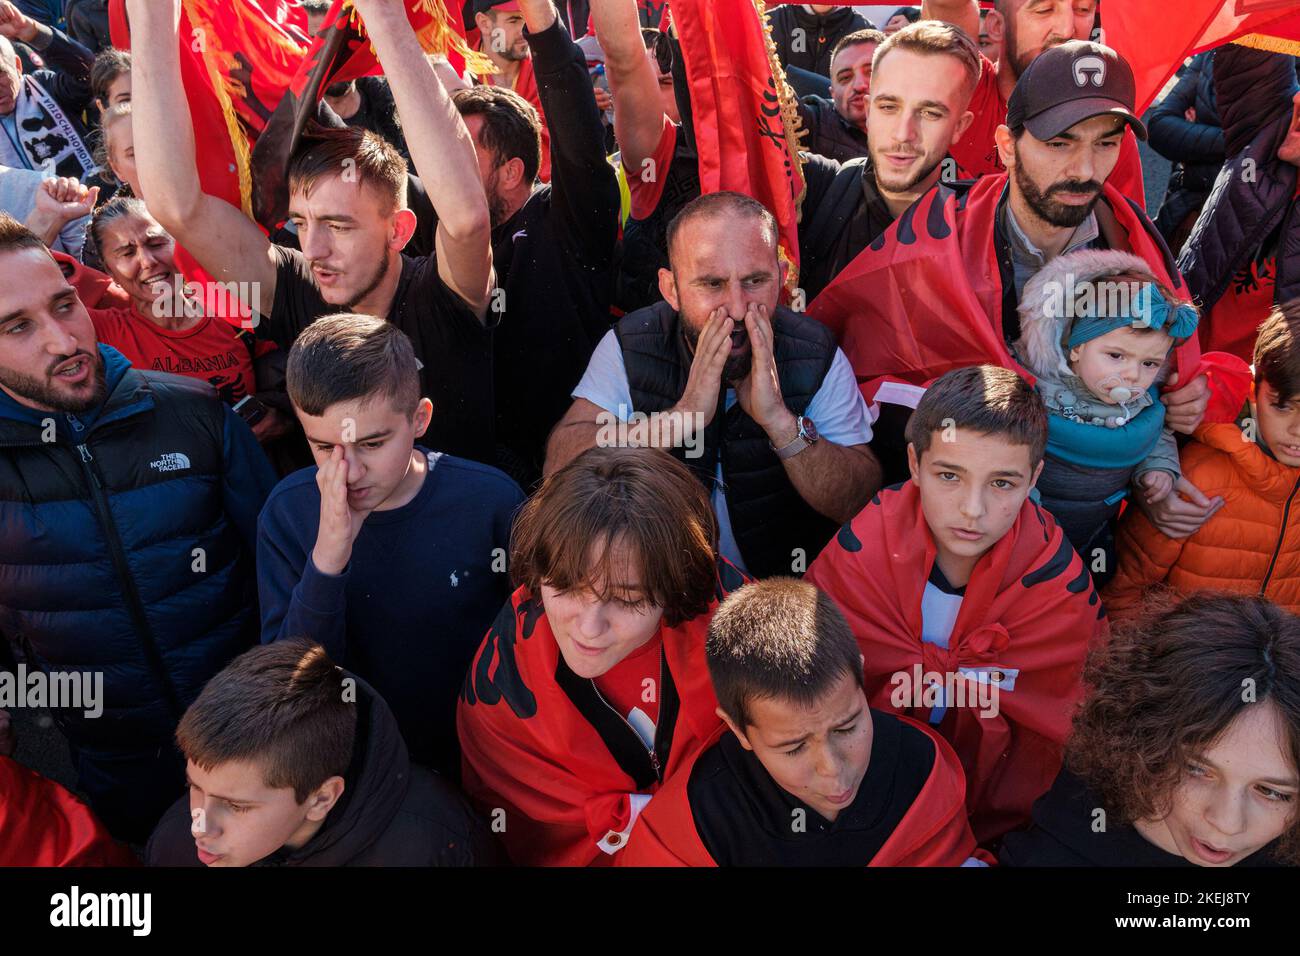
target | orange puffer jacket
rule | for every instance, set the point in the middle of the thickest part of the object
(1251, 545)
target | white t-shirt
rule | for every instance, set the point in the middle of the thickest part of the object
(837, 409)
(940, 605)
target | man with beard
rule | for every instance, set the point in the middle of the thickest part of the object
(837, 128)
(942, 287)
(1023, 29)
(348, 201)
(500, 26)
(921, 82)
(553, 244)
(129, 500)
(754, 397)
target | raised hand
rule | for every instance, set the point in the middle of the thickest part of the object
(15, 25)
(760, 392)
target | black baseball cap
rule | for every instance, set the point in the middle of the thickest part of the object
(485, 6)
(1070, 83)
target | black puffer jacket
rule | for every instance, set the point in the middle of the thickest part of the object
(811, 49)
(392, 812)
(1254, 194)
(1195, 147)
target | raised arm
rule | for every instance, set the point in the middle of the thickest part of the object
(584, 189)
(224, 241)
(638, 110)
(960, 13)
(441, 150)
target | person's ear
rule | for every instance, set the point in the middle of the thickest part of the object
(402, 229)
(996, 27)
(963, 124)
(1006, 144)
(323, 799)
(783, 268)
(731, 725)
(1037, 471)
(512, 170)
(914, 464)
(1075, 353)
(422, 417)
(668, 289)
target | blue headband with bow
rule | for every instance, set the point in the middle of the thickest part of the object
(1148, 309)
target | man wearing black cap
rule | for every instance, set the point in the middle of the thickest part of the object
(1065, 120)
(1022, 29)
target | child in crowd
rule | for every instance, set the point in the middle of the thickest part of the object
(293, 761)
(591, 687)
(805, 773)
(392, 557)
(1096, 330)
(971, 609)
(1252, 544)
(1187, 749)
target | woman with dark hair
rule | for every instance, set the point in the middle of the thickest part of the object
(591, 686)
(1186, 751)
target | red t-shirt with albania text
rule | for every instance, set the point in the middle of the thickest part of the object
(211, 349)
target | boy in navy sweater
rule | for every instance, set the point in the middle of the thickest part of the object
(389, 555)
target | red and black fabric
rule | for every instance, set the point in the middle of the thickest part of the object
(1027, 619)
(935, 291)
(545, 755)
(42, 824)
(724, 809)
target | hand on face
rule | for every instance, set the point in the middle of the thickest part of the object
(704, 381)
(339, 521)
(759, 393)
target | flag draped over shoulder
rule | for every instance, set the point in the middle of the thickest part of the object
(1155, 43)
(745, 122)
(339, 52)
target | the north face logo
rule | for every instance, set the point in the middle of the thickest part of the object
(172, 461)
(1089, 69)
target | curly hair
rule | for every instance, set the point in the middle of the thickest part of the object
(1169, 683)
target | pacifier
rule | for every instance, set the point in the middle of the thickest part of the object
(1122, 394)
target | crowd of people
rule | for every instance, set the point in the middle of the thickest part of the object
(526, 506)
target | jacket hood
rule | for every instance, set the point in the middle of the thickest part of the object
(375, 786)
(1044, 325)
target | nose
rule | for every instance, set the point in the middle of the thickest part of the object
(59, 341)
(356, 470)
(971, 504)
(736, 303)
(591, 618)
(202, 822)
(313, 242)
(828, 764)
(1226, 811)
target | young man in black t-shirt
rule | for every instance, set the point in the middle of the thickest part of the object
(348, 202)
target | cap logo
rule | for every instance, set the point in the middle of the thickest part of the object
(1089, 69)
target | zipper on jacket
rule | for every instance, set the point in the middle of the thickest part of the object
(1281, 534)
(653, 750)
(129, 590)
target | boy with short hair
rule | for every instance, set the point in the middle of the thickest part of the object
(1252, 544)
(292, 761)
(390, 555)
(971, 608)
(805, 772)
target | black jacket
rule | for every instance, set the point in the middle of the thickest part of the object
(768, 517)
(829, 133)
(392, 812)
(811, 49)
(555, 261)
(1254, 196)
(1194, 147)
(1070, 828)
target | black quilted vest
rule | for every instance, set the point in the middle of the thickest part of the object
(769, 519)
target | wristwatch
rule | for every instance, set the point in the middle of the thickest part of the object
(807, 436)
